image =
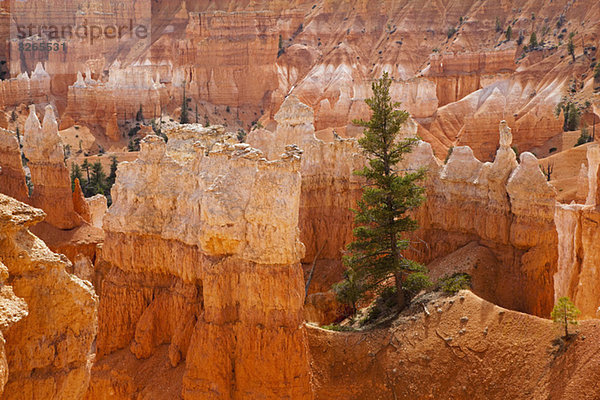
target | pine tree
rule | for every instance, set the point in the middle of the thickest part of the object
(571, 48)
(112, 176)
(565, 313)
(533, 43)
(76, 173)
(86, 167)
(140, 114)
(183, 119)
(508, 33)
(97, 181)
(381, 216)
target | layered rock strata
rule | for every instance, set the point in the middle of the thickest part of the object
(329, 188)
(50, 326)
(12, 175)
(50, 177)
(578, 251)
(504, 206)
(25, 89)
(209, 240)
(103, 105)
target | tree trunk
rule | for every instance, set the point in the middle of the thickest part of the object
(399, 290)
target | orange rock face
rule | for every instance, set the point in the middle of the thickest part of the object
(50, 326)
(23, 89)
(577, 276)
(49, 175)
(12, 175)
(505, 206)
(102, 105)
(216, 275)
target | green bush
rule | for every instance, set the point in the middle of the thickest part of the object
(450, 150)
(454, 283)
(338, 328)
(584, 137)
(451, 32)
(133, 131)
(383, 305)
(416, 282)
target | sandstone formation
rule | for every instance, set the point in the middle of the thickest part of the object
(329, 192)
(208, 239)
(49, 175)
(505, 207)
(12, 175)
(50, 326)
(239, 61)
(329, 188)
(102, 105)
(576, 224)
(467, 348)
(98, 206)
(23, 89)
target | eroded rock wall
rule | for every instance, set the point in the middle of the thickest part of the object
(505, 206)
(12, 175)
(50, 326)
(577, 276)
(49, 175)
(206, 233)
(23, 89)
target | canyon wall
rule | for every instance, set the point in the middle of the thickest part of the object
(48, 317)
(103, 105)
(505, 207)
(50, 177)
(202, 253)
(23, 89)
(12, 175)
(578, 252)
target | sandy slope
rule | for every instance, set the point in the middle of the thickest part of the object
(466, 349)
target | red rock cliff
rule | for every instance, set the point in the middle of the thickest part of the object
(50, 328)
(207, 234)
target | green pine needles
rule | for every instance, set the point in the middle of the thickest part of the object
(564, 314)
(381, 216)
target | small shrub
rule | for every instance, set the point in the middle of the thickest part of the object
(133, 131)
(584, 137)
(565, 313)
(448, 154)
(416, 282)
(514, 148)
(133, 145)
(521, 38)
(451, 32)
(455, 283)
(140, 114)
(552, 150)
(338, 328)
(533, 42)
(241, 135)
